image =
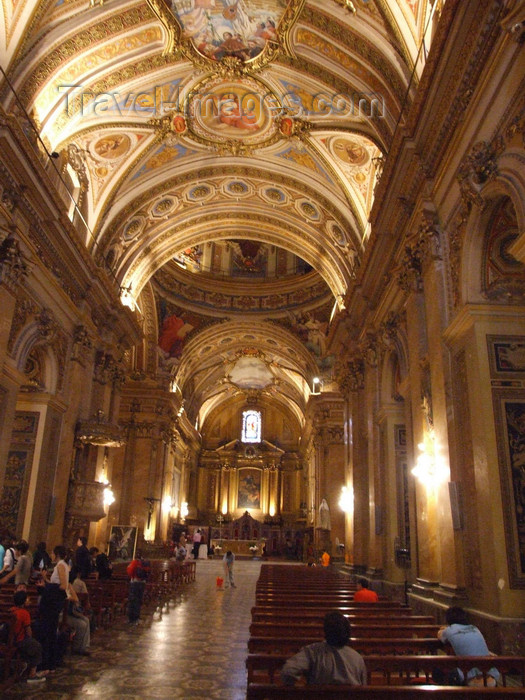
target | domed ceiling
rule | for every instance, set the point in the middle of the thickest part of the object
(222, 157)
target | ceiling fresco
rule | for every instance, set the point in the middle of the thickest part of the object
(224, 154)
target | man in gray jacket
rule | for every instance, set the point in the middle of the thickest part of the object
(331, 661)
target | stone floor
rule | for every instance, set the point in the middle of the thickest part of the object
(196, 650)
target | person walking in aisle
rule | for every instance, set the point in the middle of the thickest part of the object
(228, 561)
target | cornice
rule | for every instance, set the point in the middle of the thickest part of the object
(471, 314)
(52, 238)
(420, 99)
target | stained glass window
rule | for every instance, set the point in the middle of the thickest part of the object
(251, 426)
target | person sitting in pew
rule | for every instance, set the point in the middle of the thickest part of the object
(465, 640)
(363, 594)
(331, 661)
(30, 649)
(82, 592)
(79, 623)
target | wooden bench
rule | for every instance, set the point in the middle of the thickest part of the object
(259, 691)
(363, 629)
(372, 645)
(400, 670)
(279, 615)
(305, 600)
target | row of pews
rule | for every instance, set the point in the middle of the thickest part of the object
(107, 603)
(400, 649)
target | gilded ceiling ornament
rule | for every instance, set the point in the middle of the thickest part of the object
(211, 32)
(348, 5)
(289, 126)
(479, 167)
(350, 374)
(409, 278)
(12, 265)
(233, 115)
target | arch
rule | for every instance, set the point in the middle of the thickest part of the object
(30, 343)
(474, 254)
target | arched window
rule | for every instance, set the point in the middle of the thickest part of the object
(251, 426)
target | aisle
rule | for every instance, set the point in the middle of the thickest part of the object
(197, 650)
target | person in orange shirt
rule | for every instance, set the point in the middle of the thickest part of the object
(325, 559)
(363, 593)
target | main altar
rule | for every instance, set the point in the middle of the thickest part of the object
(245, 532)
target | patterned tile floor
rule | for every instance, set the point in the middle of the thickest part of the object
(196, 650)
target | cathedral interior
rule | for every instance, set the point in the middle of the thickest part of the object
(262, 272)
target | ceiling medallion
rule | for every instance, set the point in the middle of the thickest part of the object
(212, 31)
(233, 115)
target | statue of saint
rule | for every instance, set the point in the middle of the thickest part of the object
(324, 515)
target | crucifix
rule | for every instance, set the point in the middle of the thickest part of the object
(151, 505)
(220, 520)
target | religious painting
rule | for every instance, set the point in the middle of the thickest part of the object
(507, 355)
(18, 470)
(249, 492)
(113, 146)
(25, 423)
(351, 152)
(226, 109)
(221, 28)
(509, 410)
(175, 326)
(311, 330)
(122, 542)
(249, 258)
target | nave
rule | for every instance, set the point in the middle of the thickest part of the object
(195, 650)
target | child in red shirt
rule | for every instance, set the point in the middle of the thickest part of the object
(30, 648)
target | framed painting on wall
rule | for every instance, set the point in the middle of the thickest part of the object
(249, 491)
(122, 542)
(509, 411)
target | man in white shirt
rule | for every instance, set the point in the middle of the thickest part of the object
(196, 543)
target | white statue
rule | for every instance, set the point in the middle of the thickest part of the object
(324, 515)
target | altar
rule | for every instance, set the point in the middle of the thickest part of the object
(244, 532)
(238, 547)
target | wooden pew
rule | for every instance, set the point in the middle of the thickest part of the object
(303, 599)
(372, 645)
(399, 670)
(258, 691)
(374, 628)
(280, 615)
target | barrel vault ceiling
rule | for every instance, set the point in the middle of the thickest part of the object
(227, 153)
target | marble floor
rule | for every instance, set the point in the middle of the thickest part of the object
(195, 650)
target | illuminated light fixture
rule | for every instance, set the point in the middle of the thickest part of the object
(316, 383)
(109, 496)
(167, 503)
(346, 499)
(272, 511)
(127, 298)
(184, 510)
(430, 468)
(224, 510)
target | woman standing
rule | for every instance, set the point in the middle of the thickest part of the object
(52, 600)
